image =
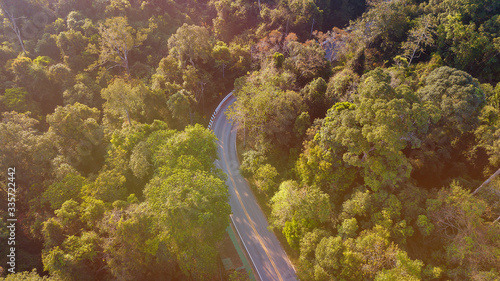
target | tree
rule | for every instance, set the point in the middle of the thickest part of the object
(342, 86)
(233, 17)
(383, 25)
(265, 177)
(308, 245)
(405, 269)
(75, 20)
(194, 209)
(267, 112)
(222, 55)
(76, 133)
(194, 141)
(9, 13)
(315, 97)
(302, 203)
(299, 210)
(85, 91)
(116, 42)
(468, 46)
(28, 276)
(307, 60)
(15, 99)
(468, 242)
(328, 258)
(108, 187)
(59, 192)
(72, 45)
(372, 132)
(419, 37)
(136, 248)
(140, 160)
(190, 43)
(47, 46)
(488, 133)
(180, 106)
(75, 259)
(25, 148)
(122, 101)
(458, 96)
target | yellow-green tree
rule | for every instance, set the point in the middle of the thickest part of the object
(116, 42)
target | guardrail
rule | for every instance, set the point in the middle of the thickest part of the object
(217, 109)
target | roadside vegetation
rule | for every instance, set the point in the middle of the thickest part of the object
(368, 127)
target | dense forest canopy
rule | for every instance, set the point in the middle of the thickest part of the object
(368, 127)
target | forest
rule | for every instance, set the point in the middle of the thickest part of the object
(368, 131)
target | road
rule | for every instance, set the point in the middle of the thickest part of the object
(264, 249)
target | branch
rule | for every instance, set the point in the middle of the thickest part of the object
(113, 66)
(486, 181)
(498, 219)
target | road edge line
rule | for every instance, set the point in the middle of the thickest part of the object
(246, 249)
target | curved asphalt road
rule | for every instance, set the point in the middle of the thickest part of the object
(269, 258)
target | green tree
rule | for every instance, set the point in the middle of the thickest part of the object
(419, 37)
(25, 148)
(307, 60)
(76, 259)
(122, 101)
(190, 43)
(27, 276)
(194, 209)
(59, 192)
(180, 106)
(76, 134)
(108, 187)
(458, 96)
(299, 210)
(116, 42)
(136, 248)
(233, 17)
(15, 99)
(267, 112)
(469, 245)
(315, 97)
(308, 245)
(72, 45)
(265, 177)
(10, 12)
(194, 141)
(85, 91)
(342, 86)
(372, 134)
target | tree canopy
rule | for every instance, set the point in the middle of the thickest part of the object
(364, 128)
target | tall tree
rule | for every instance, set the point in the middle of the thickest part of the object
(122, 101)
(9, 11)
(194, 210)
(76, 133)
(190, 43)
(116, 42)
(419, 37)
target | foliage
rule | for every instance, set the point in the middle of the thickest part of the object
(366, 124)
(117, 40)
(195, 211)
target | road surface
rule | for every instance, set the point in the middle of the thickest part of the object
(264, 249)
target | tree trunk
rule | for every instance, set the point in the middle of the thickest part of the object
(486, 181)
(128, 117)
(126, 63)
(498, 219)
(13, 26)
(312, 27)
